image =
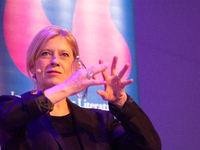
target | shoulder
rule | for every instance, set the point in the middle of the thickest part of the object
(7, 97)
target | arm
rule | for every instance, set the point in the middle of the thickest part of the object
(138, 127)
(32, 105)
(16, 112)
(77, 82)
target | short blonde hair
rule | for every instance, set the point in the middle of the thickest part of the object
(41, 38)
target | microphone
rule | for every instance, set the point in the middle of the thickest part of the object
(38, 71)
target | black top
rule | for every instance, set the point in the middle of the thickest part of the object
(68, 131)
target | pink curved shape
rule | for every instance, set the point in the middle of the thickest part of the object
(98, 36)
(22, 20)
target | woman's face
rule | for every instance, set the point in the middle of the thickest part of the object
(55, 61)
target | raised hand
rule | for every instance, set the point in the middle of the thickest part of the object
(76, 83)
(115, 87)
(83, 78)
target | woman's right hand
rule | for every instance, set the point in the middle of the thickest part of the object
(77, 82)
(83, 78)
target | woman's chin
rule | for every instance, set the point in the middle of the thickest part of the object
(48, 85)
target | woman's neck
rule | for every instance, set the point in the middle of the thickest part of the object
(60, 109)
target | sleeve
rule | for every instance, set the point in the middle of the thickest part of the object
(16, 112)
(139, 131)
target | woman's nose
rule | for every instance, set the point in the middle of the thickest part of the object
(55, 61)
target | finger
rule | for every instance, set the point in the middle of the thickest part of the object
(123, 71)
(122, 84)
(100, 61)
(104, 73)
(97, 68)
(102, 94)
(125, 83)
(94, 82)
(114, 64)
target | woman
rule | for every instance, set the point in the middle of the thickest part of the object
(47, 119)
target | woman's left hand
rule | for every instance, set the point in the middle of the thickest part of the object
(115, 87)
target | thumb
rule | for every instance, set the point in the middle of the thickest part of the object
(102, 94)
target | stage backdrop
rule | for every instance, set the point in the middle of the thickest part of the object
(103, 28)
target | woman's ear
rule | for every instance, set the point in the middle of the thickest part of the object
(32, 69)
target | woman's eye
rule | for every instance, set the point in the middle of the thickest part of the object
(65, 54)
(45, 53)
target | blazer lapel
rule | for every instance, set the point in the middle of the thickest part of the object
(84, 124)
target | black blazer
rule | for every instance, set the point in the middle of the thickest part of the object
(25, 124)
